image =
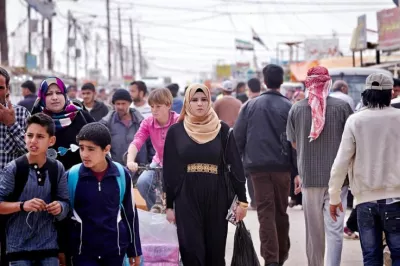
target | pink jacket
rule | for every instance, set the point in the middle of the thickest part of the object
(150, 128)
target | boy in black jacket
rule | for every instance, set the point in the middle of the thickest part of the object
(104, 226)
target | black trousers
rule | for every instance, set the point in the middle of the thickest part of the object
(201, 208)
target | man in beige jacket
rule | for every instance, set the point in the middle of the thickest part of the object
(370, 154)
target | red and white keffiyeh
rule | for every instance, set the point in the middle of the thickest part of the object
(318, 83)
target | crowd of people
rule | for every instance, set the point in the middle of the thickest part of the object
(65, 193)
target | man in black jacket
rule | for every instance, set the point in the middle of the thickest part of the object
(97, 109)
(260, 132)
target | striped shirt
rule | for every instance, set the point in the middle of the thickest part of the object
(315, 159)
(32, 231)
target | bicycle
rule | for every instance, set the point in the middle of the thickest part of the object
(160, 205)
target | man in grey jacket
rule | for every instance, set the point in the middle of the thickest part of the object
(123, 124)
(260, 133)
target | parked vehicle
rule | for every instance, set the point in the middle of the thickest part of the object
(355, 78)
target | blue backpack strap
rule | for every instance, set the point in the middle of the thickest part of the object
(122, 189)
(121, 182)
(73, 177)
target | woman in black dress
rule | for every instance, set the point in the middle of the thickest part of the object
(196, 190)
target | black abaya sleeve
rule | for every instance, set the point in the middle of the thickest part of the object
(172, 168)
(238, 177)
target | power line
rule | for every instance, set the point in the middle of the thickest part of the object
(192, 29)
(180, 8)
(310, 3)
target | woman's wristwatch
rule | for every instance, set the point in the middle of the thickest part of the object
(21, 206)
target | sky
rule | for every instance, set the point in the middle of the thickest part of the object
(182, 38)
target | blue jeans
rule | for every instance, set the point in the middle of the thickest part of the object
(146, 185)
(53, 261)
(373, 219)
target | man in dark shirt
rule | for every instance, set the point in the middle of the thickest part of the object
(97, 109)
(29, 93)
(260, 133)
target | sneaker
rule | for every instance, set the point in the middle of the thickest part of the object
(387, 261)
(348, 234)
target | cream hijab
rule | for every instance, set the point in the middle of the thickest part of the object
(201, 129)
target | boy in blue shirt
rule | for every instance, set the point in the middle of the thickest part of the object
(33, 195)
(104, 226)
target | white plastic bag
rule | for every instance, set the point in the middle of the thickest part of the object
(159, 240)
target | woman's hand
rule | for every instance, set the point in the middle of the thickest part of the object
(132, 166)
(241, 213)
(170, 215)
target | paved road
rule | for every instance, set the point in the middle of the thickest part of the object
(351, 255)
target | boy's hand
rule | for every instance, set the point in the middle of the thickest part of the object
(34, 205)
(54, 208)
(134, 261)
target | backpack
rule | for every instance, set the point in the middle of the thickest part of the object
(73, 177)
(22, 174)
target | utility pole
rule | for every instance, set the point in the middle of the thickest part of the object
(76, 50)
(3, 33)
(85, 40)
(132, 48)
(115, 54)
(121, 50)
(29, 30)
(96, 58)
(68, 34)
(140, 56)
(42, 54)
(50, 48)
(108, 38)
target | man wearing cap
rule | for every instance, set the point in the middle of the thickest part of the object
(260, 134)
(369, 153)
(340, 90)
(315, 127)
(228, 107)
(123, 123)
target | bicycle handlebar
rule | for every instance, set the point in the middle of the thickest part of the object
(147, 167)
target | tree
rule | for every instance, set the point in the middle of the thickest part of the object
(3, 34)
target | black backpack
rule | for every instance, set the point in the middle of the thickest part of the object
(21, 177)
